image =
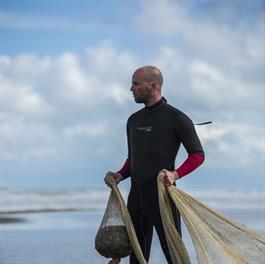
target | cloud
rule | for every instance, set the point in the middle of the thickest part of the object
(74, 107)
(72, 83)
(213, 53)
(234, 141)
(72, 99)
(119, 94)
(213, 66)
(56, 101)
(25, 140)
(152, 18)
(233, 40)
(101, 61)
(24, 99)
(218, 86)
(26, 21)
(85, 130)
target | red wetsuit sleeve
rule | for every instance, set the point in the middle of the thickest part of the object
(193, 161)
(125, 170)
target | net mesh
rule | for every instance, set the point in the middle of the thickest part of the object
(113, 215)
(216, 238)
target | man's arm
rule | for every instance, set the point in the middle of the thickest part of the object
(186, 133)
(123, 173)
(193, 161)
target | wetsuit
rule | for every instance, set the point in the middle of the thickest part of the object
(154, 136)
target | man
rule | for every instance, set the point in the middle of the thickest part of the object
(154, 135)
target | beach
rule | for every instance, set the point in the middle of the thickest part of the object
(53, 237)
(58, 237)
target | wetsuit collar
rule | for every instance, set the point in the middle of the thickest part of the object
(156, 106)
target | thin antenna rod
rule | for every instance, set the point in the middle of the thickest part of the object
(204, 123)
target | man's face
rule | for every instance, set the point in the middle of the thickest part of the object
(140, 88)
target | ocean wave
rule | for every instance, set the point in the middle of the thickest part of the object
(46, 209)
(55, 200)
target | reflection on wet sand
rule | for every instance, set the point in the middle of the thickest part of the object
(11, 219)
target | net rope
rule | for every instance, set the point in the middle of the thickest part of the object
(126, 218)
(216, 238)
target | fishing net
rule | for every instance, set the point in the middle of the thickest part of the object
(116, 237)
(216, 238)
(112, 240)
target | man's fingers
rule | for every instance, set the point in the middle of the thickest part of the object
(166, 181)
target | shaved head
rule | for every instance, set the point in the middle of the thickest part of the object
(151, 74)
(146, 85)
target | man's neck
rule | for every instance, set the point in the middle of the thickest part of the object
(153, 100)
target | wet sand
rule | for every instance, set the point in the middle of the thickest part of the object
(53, 238)
(68, 237)
(5, 219)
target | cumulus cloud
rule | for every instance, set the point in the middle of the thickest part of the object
(209, 33)
(211, 81)
(85, 130)
(48, 102)
(24, 99)
(25, 140)
(152, 18)
(234, 141)
(214, 69)
(70, 97)
(78, 103)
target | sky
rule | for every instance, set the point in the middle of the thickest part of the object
(65, 76)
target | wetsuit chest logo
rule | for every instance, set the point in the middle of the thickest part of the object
(145, 128)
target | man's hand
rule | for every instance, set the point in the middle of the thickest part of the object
(116, 176)
(169, 177)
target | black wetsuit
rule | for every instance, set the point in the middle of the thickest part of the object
(154, 137)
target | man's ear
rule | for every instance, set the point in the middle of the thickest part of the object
(153, 86)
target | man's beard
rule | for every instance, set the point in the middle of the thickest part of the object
(139, 100)
(142, 99)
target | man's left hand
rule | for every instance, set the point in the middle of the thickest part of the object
(169, 177)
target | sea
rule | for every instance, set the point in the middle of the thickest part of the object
(52, 226)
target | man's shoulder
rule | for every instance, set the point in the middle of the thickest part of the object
(135, 114)
(176, 113)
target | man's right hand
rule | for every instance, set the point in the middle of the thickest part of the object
(116, 176)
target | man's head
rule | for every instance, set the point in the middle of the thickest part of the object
(146, 85)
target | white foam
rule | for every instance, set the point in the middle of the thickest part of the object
(25, 201)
